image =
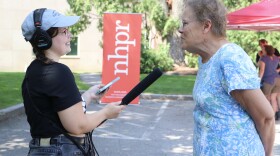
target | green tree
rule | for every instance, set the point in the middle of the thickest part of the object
(153, 17)
(163, 17)
(120, 6)
(80, 8)
(153, 12)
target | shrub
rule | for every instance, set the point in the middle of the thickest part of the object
(156, 58)
(191, 60)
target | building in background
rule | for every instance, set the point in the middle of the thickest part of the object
(16, 54)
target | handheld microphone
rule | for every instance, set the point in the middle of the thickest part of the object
(141, 86)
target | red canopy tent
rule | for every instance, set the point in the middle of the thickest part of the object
(261, 16)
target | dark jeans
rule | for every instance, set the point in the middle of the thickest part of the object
(59, 146)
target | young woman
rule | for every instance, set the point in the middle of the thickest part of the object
(54, 107)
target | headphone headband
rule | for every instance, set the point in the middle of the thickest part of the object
(41, 39)
(37, 17)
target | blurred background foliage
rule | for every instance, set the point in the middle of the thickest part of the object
(248, 40)
(157, 14)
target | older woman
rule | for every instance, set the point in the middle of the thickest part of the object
(232, 116)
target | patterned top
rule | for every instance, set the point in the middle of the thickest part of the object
(222, 127)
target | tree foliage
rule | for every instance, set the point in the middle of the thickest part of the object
(119, 6)
(155, 16)
(80, 8)
(151, 9)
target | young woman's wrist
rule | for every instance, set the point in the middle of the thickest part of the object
(84, 104)
(86, 97)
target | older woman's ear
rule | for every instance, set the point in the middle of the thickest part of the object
(207, 26)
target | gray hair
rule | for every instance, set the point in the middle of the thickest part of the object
(213, 10)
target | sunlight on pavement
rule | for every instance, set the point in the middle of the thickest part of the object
(173, 137)
(182, 149)
(13, 145)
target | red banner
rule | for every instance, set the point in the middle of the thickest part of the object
(121, 54)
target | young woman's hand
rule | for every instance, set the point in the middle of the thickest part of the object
(90, 94)
(92, 91)
(112, 110)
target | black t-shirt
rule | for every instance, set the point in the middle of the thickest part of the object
(52, 88)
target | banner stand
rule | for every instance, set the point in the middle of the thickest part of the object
(121, 54)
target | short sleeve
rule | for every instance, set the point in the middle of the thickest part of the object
(238, 70)
(61, 87)
(263, 59)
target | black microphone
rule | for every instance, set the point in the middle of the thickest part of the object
(141, 86)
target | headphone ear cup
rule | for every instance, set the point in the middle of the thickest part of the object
(42, 39)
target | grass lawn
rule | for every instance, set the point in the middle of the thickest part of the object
(171, 84)
(10, 89)
(10, 86)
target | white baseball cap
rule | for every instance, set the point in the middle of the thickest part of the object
(51, 18)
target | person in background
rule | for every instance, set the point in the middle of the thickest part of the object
(231, 115)
(270, 78)
(55, 109)
(262, 43)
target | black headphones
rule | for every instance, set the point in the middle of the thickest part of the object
(41, 39)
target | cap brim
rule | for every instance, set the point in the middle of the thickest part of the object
(66, 21)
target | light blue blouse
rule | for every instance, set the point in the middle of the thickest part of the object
(222, 126)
